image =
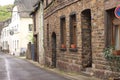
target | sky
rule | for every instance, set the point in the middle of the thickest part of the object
(6, 2)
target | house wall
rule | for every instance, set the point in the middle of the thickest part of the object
(5, 35)
(1, 26)
(36, 34)
(41, 35)
(38, 16)
(24, 30)
(72, 61)
(20, 26)
(5, 38)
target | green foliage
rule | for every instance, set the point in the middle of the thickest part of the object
(113, 60)
(108, 52)
(30, 37)
(4, 13)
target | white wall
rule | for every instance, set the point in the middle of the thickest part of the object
(20, 27)
(5, 38)
(41, 45)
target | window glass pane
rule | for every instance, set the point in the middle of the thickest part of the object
(116, 37)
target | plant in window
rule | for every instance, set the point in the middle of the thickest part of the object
(63, 46)
(73, 46)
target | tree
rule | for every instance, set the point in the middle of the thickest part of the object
(4, 13)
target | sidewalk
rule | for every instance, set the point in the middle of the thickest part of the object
(71, 76)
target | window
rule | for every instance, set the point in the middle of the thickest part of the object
(48, 35)
(35, 23)
(108, 28)
(17, 28)
(13, 44)
(46, 2)
(112, 30)
(30, 27)
(7, 33)
(63, 32)
(73, 36)
(116, 37)
(17, 44)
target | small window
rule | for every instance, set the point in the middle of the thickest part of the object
(30, 27)
(46, 2)
(17, 44)
(116, 37)
(35, 23)
(73, 30)
(48, 35)
(63, 32)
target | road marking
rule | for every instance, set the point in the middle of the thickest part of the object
(7, 66)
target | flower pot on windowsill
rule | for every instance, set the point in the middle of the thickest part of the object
(73, 46)
(63, 46)
(116, 52)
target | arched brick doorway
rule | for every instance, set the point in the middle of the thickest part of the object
(54, 50)
(86, 38)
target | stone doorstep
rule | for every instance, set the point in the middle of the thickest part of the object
(114, 78)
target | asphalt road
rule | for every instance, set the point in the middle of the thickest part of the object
(13, 68)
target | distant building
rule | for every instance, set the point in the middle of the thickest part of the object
(21, 26)
(1, 26)
(5, 35)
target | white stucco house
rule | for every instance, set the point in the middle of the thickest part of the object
(4, 37)
(20, 28)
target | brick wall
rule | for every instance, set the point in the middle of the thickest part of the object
(72, 61)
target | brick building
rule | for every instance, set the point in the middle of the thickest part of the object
(76, 32)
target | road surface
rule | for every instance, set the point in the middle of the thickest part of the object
(13, 68)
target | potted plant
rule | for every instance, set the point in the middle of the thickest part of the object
(116, 52)
(63, 46)
(73, 46)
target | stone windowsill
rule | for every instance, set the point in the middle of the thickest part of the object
(73, 49)
(63, 49)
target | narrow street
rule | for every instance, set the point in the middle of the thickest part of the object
(12, 68)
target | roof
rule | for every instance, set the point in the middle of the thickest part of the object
(35, 7)
(25, 6)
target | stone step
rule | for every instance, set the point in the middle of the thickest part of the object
(87, 72)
